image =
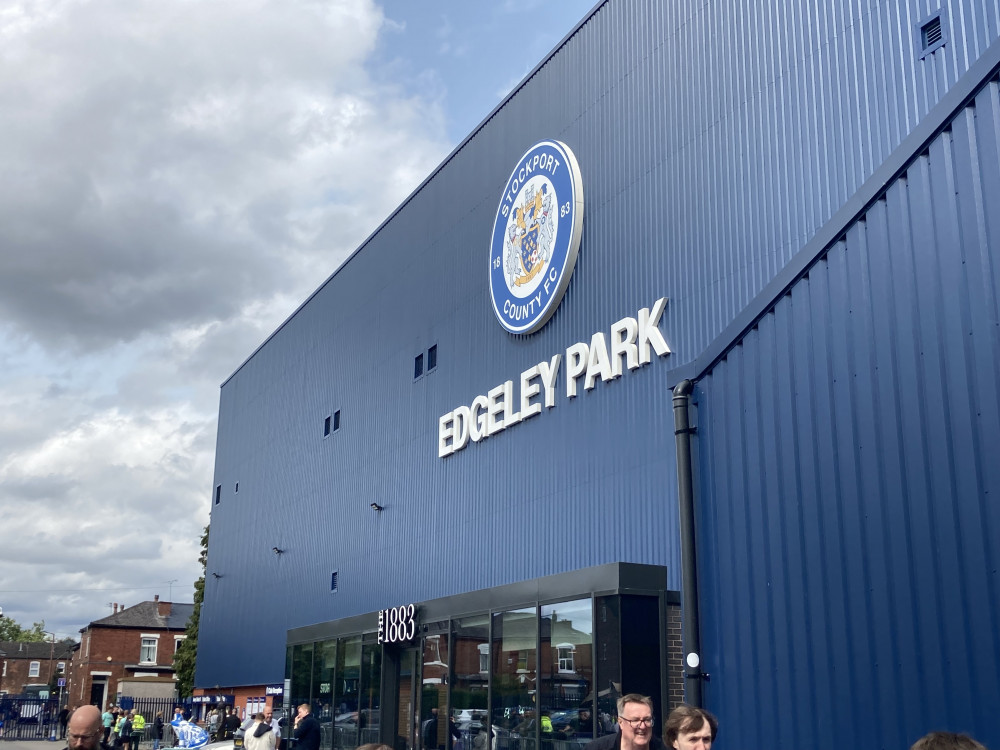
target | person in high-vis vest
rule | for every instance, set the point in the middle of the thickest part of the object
(138, 730)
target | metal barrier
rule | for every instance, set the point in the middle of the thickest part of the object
(29, 718)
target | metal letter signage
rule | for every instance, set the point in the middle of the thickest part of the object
(536, 236)
(632, 344)
(397, 624)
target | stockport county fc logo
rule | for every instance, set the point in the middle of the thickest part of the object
(536, 237)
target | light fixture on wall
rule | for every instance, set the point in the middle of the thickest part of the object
(277, 550)
(216, 575)
(377, 508)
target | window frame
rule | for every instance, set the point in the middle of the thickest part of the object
(143, 646)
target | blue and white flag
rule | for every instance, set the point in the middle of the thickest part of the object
(189, 734)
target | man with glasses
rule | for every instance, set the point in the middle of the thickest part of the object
(635, 724)
(86, 730)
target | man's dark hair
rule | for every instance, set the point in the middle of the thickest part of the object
(946, 741)
(686, 719)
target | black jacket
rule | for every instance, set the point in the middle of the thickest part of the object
(613, 741)
(307, 734)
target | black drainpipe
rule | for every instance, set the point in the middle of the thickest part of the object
(691, 621)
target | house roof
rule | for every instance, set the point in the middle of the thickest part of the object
(147, 615)
(36, 649)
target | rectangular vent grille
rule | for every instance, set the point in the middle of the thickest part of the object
(333, 581)
(932, 33)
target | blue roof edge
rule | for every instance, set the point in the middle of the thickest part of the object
(937, 120)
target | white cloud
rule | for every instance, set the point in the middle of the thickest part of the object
(175, 178)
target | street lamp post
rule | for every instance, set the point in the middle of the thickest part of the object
(52, 670)
(52, 664)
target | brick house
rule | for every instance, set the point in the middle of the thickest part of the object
(32, 667)
(129, 652)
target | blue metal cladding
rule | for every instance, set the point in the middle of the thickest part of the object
(849, 482)
(713, 142)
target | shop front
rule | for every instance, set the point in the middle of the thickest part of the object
(536, 665)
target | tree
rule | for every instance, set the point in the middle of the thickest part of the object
(187, 652)
(10, 630)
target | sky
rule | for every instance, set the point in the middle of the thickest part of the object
(176, 177)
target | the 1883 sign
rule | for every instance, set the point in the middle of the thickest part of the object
(397, 624)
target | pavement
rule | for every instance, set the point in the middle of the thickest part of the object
(6, 744)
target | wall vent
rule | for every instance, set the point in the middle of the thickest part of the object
(333, 581)
(932, 33)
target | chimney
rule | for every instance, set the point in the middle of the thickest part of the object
(116, 609)
(163, 608)
(156, 597)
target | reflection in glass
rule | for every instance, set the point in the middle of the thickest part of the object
(567, 675)
(515, 678)
(470, 680)
(407, 735)
(301, 668)
(437, 729)
(369, 699)
(346, 689)
(325, 674)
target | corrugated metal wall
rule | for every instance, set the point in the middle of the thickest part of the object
(850, 487)
(713, 142)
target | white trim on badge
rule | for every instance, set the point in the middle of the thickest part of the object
(536, 237)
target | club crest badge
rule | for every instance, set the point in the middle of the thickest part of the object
(536, 237)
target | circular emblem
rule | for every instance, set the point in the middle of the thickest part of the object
(536, 237)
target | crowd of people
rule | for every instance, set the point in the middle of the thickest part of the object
(686, 728)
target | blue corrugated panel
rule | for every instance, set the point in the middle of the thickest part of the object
(849, 475)
(713, 143)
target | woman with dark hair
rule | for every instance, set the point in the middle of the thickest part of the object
(690, 728)
(946, 741)
(157, 730)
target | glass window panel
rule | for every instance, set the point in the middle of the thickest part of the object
(369, 699)
(301, 665)
(346, 692)
(567, 675)
(437, 729)
(470, 680)
(407, 725)
(608, 668)
(514, 709)
(326, 675)
(147, 653)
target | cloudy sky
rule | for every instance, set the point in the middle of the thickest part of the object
(176, 177)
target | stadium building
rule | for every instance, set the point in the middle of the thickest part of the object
(700, 326)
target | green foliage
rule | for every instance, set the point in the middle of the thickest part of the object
(10, 630)
(187, 653)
